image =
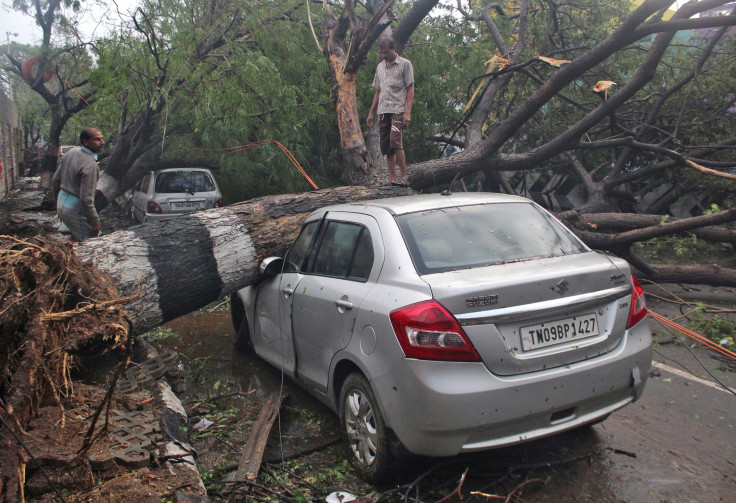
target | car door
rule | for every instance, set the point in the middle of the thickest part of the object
(342, 269)
(271, 337)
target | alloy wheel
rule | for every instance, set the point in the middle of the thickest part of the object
(360, 424)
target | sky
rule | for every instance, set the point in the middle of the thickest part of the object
(16, 26)
(21, 28)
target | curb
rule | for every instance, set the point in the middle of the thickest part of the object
(174, 451)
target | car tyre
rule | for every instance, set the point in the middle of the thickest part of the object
(240, 324)
(366, 437)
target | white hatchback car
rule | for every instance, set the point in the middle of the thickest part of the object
(448, 323)
(171, 192)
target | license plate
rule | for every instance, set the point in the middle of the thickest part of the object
(558, 331)
(188, 205)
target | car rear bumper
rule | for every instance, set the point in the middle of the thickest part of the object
(445, 408)
(155, 217)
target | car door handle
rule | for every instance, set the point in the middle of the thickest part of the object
(344, 303)
(287, 291)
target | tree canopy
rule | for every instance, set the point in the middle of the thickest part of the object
(578, 105)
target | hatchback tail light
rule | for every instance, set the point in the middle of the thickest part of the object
(153, 207)
(218, 203)
(638, 304)
(427, 331)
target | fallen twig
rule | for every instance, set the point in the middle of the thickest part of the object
(458, 489)
(226, 395)
(304, 452)
(621, 451)
(107, 400)
(96, 306)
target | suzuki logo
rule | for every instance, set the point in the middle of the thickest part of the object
(561, 286)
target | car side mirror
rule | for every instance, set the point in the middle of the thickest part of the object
(271, 266)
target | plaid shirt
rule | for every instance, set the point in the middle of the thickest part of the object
(392, 80)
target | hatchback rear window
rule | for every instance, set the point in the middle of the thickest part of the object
(473, 236)
(170, 182)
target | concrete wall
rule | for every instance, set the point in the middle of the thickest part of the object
(11, 141)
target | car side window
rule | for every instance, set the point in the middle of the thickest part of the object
(297, 253)
(362, 263)
(345, 251)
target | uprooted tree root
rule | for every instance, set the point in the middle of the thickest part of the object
(53, 308)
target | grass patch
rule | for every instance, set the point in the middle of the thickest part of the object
(218, 306)
(714, 327)
(686, 250)
(159, 334)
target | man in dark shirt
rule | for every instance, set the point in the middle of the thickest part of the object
(75, 182)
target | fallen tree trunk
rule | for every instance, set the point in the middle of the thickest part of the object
(598, 222)
(185, 263)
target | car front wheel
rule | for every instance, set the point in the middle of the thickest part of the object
(365, 433)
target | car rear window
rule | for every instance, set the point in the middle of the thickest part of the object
(473, 236)
(170, 182)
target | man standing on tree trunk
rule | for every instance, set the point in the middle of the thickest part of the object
(394, 84)
(75, 182)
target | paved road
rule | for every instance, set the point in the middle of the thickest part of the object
(677, 444)
(682, 436)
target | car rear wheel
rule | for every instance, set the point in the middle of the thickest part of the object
(366, 436)
(240, 324)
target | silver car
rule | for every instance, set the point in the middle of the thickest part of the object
(443, 324)
(171, 192)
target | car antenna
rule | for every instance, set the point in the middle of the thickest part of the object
(448, 191)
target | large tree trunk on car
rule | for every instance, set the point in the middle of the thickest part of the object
(185, 263)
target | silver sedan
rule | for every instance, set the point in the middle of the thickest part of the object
(442, 324)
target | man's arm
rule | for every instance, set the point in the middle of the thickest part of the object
(409, 103)
(374, 107)
(56, 182)
(87, 186)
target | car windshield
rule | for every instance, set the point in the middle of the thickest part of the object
(472, 236)
(169, 182)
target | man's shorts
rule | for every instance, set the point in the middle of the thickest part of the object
(69, 209)
(391, 127)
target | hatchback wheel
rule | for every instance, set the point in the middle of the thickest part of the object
(365, 434)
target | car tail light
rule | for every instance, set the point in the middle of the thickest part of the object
(638, 304)
(153, 207)
(427, 331)
(218, 203)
